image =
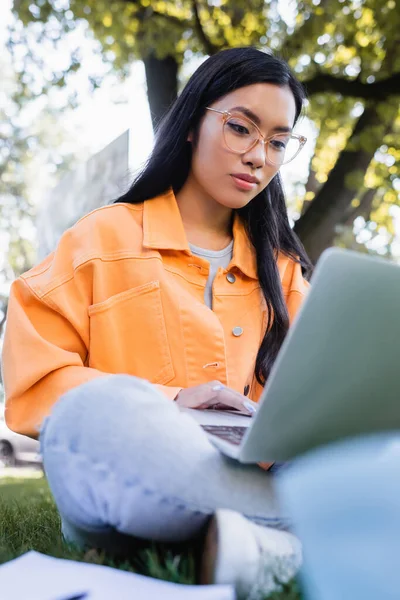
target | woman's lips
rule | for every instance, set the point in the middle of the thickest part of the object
(242, 184)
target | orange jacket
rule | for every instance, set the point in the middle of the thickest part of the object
(122, 293)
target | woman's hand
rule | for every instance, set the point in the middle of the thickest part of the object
(213, 394)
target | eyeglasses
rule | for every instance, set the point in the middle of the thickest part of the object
(241, 135)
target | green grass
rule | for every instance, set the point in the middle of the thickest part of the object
(29, 521)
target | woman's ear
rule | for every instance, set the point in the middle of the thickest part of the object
(189, 137)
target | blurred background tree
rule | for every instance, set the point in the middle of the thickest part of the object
(347, 53)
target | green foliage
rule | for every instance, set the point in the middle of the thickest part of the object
(354, 41)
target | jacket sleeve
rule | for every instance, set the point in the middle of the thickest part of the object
(43, 356)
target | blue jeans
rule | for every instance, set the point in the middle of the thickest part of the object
(344, 501)
(123, 461)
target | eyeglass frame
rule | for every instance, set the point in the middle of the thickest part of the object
(227, 115)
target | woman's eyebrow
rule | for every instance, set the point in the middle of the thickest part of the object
(251, 115)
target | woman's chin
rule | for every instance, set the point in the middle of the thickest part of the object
(235, 201)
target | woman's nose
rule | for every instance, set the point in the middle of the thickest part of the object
(257, 155)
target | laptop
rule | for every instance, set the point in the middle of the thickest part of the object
(337, 373)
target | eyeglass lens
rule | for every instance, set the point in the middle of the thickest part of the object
(240, 135)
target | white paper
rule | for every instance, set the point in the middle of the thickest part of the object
(35, 576)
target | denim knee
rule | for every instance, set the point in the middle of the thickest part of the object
(108, 447)
(84, 439)
(91, 409)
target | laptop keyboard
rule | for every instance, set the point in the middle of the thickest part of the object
(232, 434)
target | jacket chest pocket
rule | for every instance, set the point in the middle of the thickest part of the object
(128, 335)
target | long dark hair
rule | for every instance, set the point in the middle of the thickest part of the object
(265, 217)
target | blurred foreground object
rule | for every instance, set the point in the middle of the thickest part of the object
(343, 500)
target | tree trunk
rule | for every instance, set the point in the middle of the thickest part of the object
(316, 227)
(362, 210)
(162, 84)
(313, 186)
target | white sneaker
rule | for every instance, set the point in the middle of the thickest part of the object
(255, 559)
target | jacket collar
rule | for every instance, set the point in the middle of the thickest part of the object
(244, 254)
(162, 224)
(163, 230)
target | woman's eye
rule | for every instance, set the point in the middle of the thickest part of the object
(239, 128)
(278, 144)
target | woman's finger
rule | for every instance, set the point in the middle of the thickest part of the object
(232, 399)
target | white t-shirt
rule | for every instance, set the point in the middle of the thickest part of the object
(216, 258)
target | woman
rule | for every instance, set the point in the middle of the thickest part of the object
(188, 281)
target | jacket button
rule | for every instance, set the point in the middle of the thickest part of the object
(231, 278)
(246, 390)
(237, 331)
